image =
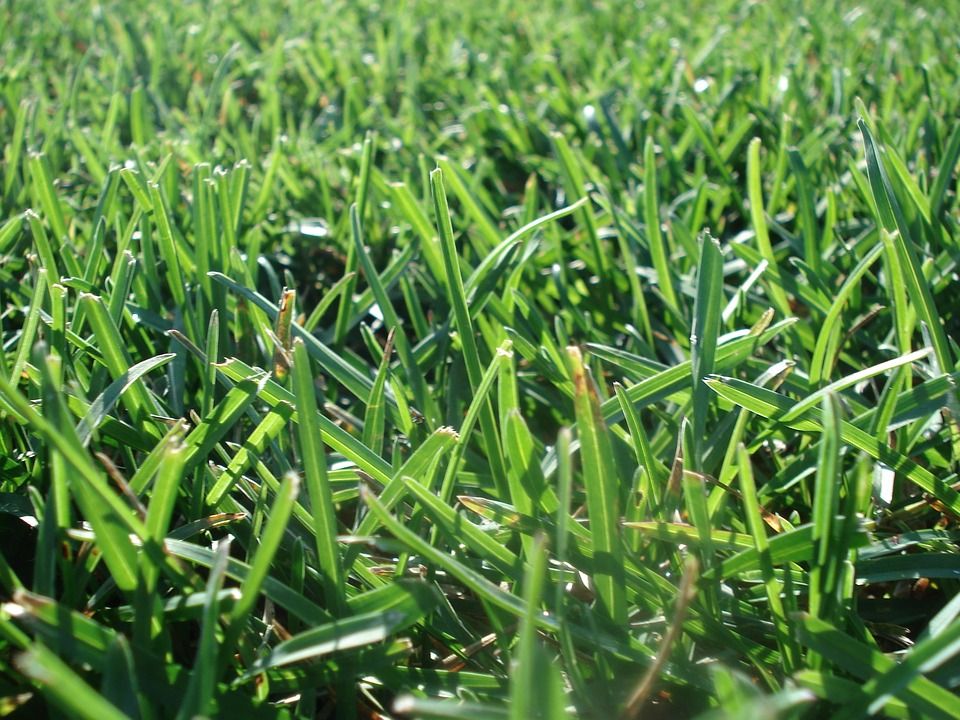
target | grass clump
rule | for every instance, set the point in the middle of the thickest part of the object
(417, 360)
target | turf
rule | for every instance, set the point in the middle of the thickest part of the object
(489, 360)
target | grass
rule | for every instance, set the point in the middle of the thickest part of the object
(411, 359)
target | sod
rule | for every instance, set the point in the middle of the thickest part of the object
(479, 360)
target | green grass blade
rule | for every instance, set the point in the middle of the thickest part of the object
(66, 689)
(704, 336)
(651, 209)
(864, 662)
(352, 632)
(774, 406)
(471, 353)
(603, 502)
(757, 217)
(267, 549)
(536, 689)
(199, 693)
(774, 589)
(104, 403)
(829, 552)
(314, 461)
(891, 217)
(336, 437)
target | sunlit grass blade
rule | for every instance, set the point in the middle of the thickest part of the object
(651, 213)
(159, 514)
(414, 375)
(65, 687)
(755, 195)
(41, 176)
(773, 405)
(336, 437)
(344, 373)
(28, 335)
(104, 403)
(420, 462)
(355, 631)
(536, 688)
(118, 362)
(852, 656)
(363, 184)
(458, 529)
(374, 416)
(774, 588)
(471, 353)
(891, 217)
(703, 338)
(313, 457)
(603, 500)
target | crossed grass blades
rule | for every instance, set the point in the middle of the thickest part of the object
(427, 360)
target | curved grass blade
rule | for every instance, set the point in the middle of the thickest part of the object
(105, 401)
(335, 436)
(354, 631)
(864, 662)
(774, 406)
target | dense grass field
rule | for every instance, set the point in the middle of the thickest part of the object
(479, 360)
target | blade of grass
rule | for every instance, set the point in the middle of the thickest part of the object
(266, 551)
(65, 688)
(198, 697)
(703, 337)
(471, 355)
(318, 486)
(603, 502)
(751, 510)
(757, 217)
(773, 405)
(865, 662)
(892, 220)
(651, 209)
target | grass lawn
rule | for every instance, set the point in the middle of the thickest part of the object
(427, 359)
